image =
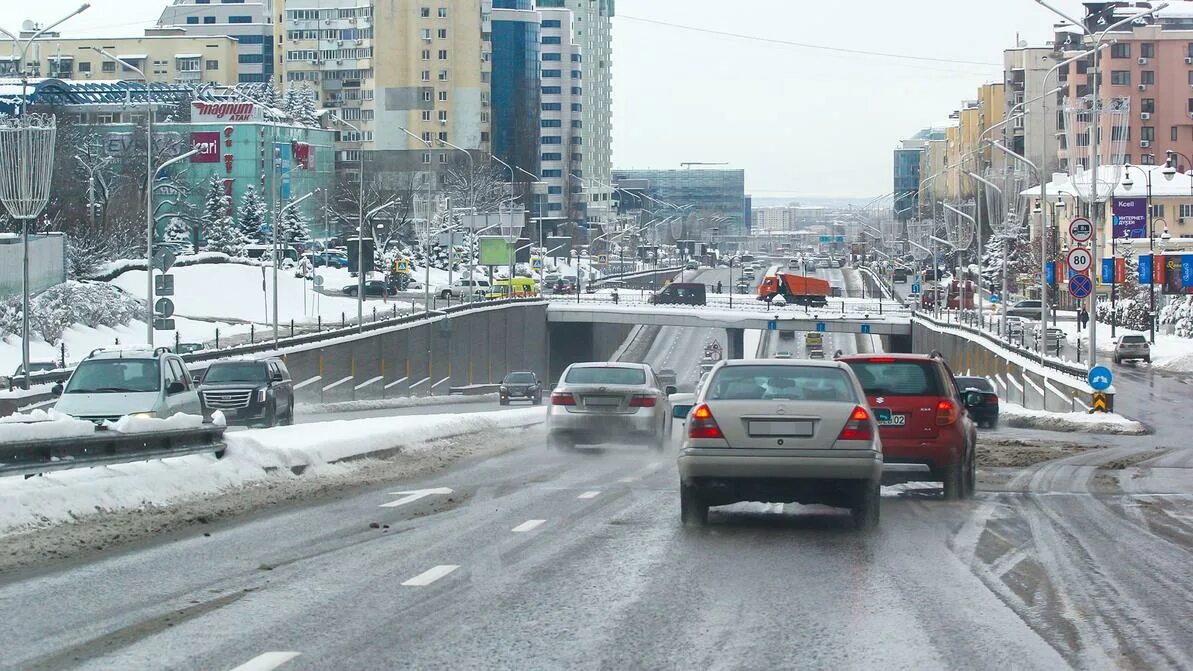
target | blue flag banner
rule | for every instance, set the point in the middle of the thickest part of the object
(1187, 270)
(1051, 279)
(1108, 271)
(1145, 268)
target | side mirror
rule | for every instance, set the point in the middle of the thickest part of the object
(175, 388)
(276, 377)
(196, 378)
(973, 399)
(56, 390)
(680, 411)
(672, 389)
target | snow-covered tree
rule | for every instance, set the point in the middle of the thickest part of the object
(220, 230)
(251, 215)
(1132, 300)
(177, 230)
(302, 104)
(294, 228)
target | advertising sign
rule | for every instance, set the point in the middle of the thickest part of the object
(208, 144)
(495, 251)
(1051, 265)
(1186, 270)
(1145, 269)
(1172, 275)
(558, 246)
(1130, 218)
(283, 156)
(208, 112)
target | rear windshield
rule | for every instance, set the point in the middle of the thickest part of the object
(787, 383)
(519, 378)
(979, 383)
(897, 378)
(1134, 340)
(114, 376)
(236, 372)
(606, 375)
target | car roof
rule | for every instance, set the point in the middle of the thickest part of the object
(127, 353)
(609, 364)
(788, 363)
(899, 356)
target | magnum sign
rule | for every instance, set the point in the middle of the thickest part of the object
(224, 112)
(208, 144)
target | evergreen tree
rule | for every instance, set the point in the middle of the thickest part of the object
(251, 215)
(294, 229)
(221, 232)
(177, 230)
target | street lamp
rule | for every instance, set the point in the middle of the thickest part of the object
(149, 176)
(1043, 244)
(277, 257)
(972, 222)
(360, 219)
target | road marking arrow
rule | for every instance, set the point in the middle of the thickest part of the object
(411, 497)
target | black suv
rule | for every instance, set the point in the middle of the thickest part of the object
(248, 392)
(521, 386)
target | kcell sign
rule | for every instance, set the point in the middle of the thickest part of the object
(224, 112)
(208, 144)
(1130, 217)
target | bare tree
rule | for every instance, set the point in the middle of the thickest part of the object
(483, 188)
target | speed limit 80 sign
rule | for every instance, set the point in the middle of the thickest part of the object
(1080, 260)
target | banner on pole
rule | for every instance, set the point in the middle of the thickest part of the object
(1130, 217)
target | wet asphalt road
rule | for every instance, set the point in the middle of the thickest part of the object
(543, 560)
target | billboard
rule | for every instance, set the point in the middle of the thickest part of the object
(1130, 218)
(209, 112)
(354, 245)
(208, 144)
(495, 251)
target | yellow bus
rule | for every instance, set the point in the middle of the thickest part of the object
(522, 287)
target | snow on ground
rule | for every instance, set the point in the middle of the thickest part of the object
(1013, 414)
(1170, 352)
(402, 402)
(252, 457)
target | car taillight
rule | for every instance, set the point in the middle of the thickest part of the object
(642, 401)
(563, 399)
(858, 427)
(946, 413)
(990, 399)
(702, 424)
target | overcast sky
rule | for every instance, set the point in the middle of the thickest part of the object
(800, 121)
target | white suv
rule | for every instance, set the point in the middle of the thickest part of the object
(462, 287)
(112, 383)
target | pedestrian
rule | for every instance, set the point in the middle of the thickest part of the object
(615, 296)
(769, 299)
(719, 287)
(1083, 318)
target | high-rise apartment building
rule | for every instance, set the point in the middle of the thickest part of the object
(1034, 134)
(164, 56)
(391, 66)
(593, 31)
(251, 23)
(562, 118)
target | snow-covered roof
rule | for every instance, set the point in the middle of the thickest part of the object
(1163, 186)
(188, 55)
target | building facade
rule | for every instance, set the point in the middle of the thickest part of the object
(561, 116)
(1035, 134)
(249, 22)
(593, 32)
(718, 195)
(163, 58)
(516, 96)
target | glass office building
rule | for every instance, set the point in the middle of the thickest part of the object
(711, 193)
(515, 84)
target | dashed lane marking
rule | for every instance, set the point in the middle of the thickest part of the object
(528, 525)
(267, 661)
(589, 495)
(427, 577)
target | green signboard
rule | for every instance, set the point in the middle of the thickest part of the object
(495, 251)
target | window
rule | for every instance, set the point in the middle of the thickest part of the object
(1120, 77)
(443, 136)
(552, 90)
(85, 66)
(552, 40)
(424, 12)
(109, 66)
(1174, 134)
(577, 123)
(1147, 50)
(1148, 105)
(427, 93)
(552, 57)
(552, 123)
(442, 32)
(554, 190)
(1190, 105)
(554, 23)
(577, 157)
(577, 107)
(782, 383)
(1157, 211)
(608, 375)
(442, 116)
(443, 158)
(443, 54)
(576, 58)
(1120, 50)
(555, 207)
(552, 139)
(187, 64)
(558, 107)
(552, 173)
(551, 156)
(426, 55)
(240, 19)
(208, 20)
(1186, 210)
(443, 96)
(426, 158)
(443, 12)
(901, 378)
(577, 91)
(426, 33)
(576, 74)
(1147, 133)
(425, 76)
(1147, 77)
(577, 140)
(1147, 159)
(250, 58)
(428, 136)
(443, 75)
(192, 20)
(552, 74)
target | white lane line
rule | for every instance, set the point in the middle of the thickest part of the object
(528, 525)
(589, 495)
(267, 661)
(430, 576)
(411, 497)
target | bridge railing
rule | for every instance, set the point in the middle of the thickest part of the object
(745, 303)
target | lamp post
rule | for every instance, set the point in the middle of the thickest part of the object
(935, 269)
(149, 175)
(427, 251)
(941, 241)
(1043, 244)
(1128, 184)
(1095, 151)
(360, 219)
(277, 256)
(961, 296)
(982, 180)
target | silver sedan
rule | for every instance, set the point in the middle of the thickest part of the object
(597, 403)
(781, 431)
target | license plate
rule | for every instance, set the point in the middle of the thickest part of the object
(602, 401)
(785, 428)
(886, 418)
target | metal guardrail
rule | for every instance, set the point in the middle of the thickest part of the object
(31, 457)
(1032, 355)
(750, 303)
(635, 274)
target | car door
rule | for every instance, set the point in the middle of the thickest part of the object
(187, 400)
(283, 389)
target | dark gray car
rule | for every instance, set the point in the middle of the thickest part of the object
(521, 386)
(249, 392)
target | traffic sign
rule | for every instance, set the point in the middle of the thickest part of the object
(915, 288)
(536, 263)
(1101, 402)
(772, 325)
(714, 346)
(1080, 286)
(400, 266)
(826, 238)
(865, 328)
(163, 258)
(603, 259)
(163, 324)
(1100, 378)
(994, 299)
(163, 285)
(1080, 260)
(1081, 230)
(821, 327)
(164, 308)
(318, 281)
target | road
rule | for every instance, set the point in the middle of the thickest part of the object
(545, 560)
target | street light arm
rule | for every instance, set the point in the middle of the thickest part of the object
(373, 212)
(1064, 16)
(176, 159)
(294, 203)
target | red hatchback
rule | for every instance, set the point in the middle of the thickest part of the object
(926, 430)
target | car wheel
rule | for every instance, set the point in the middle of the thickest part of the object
(559, 442)
(954, 481)
(1147, 359)
(445, 294)
(971, 475)
(867, 508)
(693, 509)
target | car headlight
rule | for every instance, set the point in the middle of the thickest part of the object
(503, 388)
(261, 395)
(144, 415)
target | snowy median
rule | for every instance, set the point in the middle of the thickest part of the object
(252, 457)
(1015, 415)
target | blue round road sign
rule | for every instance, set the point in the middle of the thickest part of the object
(1080, 286)
(1100, 378)
(994, 298)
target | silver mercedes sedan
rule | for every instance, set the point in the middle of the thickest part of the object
(781, 431)
(599, 403)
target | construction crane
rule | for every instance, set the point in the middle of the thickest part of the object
(689, 164)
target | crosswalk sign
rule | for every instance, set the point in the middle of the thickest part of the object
(603, 259)
(536, 264)
(402, 266)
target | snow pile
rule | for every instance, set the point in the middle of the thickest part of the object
(61, 306)
(1013, 414)
(135, 424)
(251, 457)
(43, 425)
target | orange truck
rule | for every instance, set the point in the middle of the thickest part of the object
(796, 289)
